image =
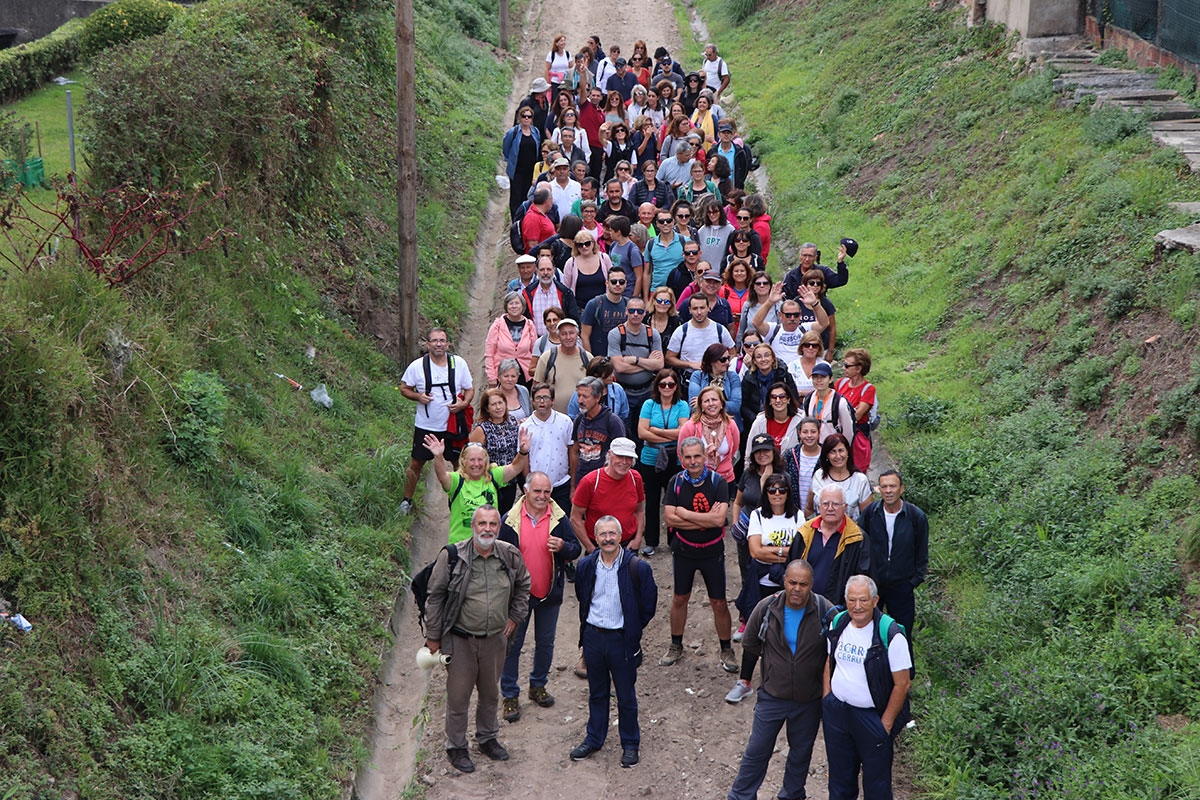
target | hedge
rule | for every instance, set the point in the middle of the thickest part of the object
(28, 66)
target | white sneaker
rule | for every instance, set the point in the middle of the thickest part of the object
(649, 551)
(738, 692)
(740, 632)
(405, 507)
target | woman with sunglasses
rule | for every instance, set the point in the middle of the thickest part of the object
(645, 138)
(550, 318)
(760, 221)
(658, 428)
(861, 393)
(714, 371)
(521, 145)
(712, 424)
(662, 315)
(586, 271)
(781, 416)
(570, 119)
(693, 84)
(618, 147)
(745, 359)
(681, 210)
(637, 104)
(741, 247)
(713, 233)
(836, 468)
(637, 65)
(614, 108)
(744, 221)
(760, 292)
(801, 369)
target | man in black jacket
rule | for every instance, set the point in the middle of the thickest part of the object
(899, 536)
(737, 155)
(543, 533)
(793, 663)
(539, 101)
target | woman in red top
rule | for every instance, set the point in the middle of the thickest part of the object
(735, 287)
(762, 221)
(861, 394)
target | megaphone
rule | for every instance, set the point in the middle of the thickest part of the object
(429, 660)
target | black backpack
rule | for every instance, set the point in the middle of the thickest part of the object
(514, 230)
(420, 581)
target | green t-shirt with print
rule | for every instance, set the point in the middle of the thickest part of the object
(473, 494)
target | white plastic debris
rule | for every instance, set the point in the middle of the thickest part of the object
(502, 182)
(61, 81)
(22, 624)
(321, 397)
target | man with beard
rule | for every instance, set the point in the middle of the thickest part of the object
(477, 597)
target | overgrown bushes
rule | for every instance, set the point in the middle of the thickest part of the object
(125, 21)
(26, 67)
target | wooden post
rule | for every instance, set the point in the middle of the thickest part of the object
(407, 337)
(503, 24)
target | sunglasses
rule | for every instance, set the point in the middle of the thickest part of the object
(848, 365)
(777, 490)
(743, 216)
(667, 384)
(775, 397)
(635, 311)
(662, 301)
(527, 116)
(814, 344)
(617, 282)
(814, 283)
(762, 283)
(664, 221)
(791, 314)
(724, 359)
(691, 252)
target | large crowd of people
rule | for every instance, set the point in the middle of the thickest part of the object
(650, 380)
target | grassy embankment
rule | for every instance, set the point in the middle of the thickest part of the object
(1005, 287)
(206, 555)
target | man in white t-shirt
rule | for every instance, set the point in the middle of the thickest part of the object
(549, 442)
(440, 384)
(784, 336)
(688, 342)
(716, 72)
(563, 188)
(866, 693)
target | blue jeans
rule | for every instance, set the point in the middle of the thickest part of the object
(604, 656)
(770, 714)
(545, 623)
(855, 738)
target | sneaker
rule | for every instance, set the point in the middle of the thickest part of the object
(672, 656)
(512, 709)
(629, 757)
(539, 695)
(649, 551)
(460, 760)
(582, 751)
(740, 691)
(740, 632)
(494, 750)
(405, 508)
(729, 661)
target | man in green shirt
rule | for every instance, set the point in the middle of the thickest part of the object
(474, 483)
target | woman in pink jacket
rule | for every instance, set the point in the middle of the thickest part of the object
(511, 336)
(713, 424)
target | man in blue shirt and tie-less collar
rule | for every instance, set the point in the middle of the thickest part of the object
(617, 599)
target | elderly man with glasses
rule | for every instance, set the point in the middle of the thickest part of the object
(832, 544)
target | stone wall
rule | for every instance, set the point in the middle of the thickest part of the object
(36, 18)
(1033, 18)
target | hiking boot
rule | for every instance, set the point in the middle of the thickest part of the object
(740, 632)
(539, 695)
(581, 669)
(512, 709)
(740, 691)
(729, 661)
(672, 656)
(629, 757)
(460, 760)
(494, 750)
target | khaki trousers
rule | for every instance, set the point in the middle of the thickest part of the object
(476, 664)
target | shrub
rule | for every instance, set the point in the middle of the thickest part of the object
(125, 21)
(1087, 380)
(198, 434)
(1120, 299)
(740, 10)
(1114, 57)
(27, 66)
(1107, 126)
(924, 413)
(234, 90)
(1034, 90)
(942, 474)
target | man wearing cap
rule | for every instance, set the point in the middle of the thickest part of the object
(563, 188)
(666, 70)
(563, 364)
(719, 310)
(688, 342)
(734, 153)
(621, 81)
(536, 225)
(808, 260)
(716, 72)
(539, 101)
(525, 264)
(616, 489)
(596, 428)
(674, 171)
(784, 336)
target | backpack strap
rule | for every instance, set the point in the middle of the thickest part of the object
(621, 328)
(550, 364)
(428, 374)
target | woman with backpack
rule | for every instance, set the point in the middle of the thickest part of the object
(521, 146)
(861, 396)
(477, 482)
(835, 468)
(827, 406)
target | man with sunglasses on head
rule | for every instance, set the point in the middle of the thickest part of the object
(605, 312)
(637, 355)
(808, 261)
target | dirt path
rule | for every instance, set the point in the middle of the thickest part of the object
(692, 740)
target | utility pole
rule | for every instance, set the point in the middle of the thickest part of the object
(503, 24)
(406, 182)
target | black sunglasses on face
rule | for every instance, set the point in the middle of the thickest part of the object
(618, 281)
(666, 384)
(777, 489)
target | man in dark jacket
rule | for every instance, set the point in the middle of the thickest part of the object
(832, 544)
(555, 293)
(899, 535)
(617, 599)
(737, 155)
(538, 101)
(808, 260)
(542, 532)
(475, 603)
(793, 662)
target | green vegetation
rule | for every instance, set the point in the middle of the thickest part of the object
(207, 555)
(23, 69)
(1005, 286)
(126, 21)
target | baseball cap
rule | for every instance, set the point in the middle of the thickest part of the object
(623, 447)
(569, 321)
(724, 126)
(762, 441)
(525, 258)
(712, 275)
(620, 62)
(819, 368)
(561, 162)
(851, 247)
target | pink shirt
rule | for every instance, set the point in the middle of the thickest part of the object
(533, 538)
(727, 449)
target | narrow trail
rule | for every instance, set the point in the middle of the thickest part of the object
(692, 740)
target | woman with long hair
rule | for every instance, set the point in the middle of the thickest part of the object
(801, 369)
(764, 372)
(760, 292)
(645, 138)
(614, 108)
(654, 110)
(562, 104)
(521, 145)
(735, 285)
(658, 429)
(703, 117)
(637, 65)
(760, 221)
(713, 425)
(801, 460)
(618, 147)
(550, 317)
(511, 335)
(861, 394)
(741, 245)
(677, 131)
(745, 359)
(713, 232)
(497, 432)
(781, 416)
(836, 468)
(558, 63)
(570, 119)
(714, 371)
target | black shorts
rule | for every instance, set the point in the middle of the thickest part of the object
(421, 453)
(711, 568)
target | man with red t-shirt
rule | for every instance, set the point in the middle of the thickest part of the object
(536, 227)
(591, 117)
(614, 489)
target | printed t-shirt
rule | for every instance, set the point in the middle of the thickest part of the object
(473, 495)
(603, 315)
(786, 344)
(434, 415)
(601, 494)
(849, 682)
(706, 542)
(593, 436)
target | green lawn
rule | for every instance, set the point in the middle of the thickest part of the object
(48, 108)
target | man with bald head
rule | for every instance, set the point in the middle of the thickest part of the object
(784, 630)
(833, 544)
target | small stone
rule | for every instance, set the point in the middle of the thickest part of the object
(694, 645)
(561, 668)
(429, 779)
(703, 693)
(1155, 339)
